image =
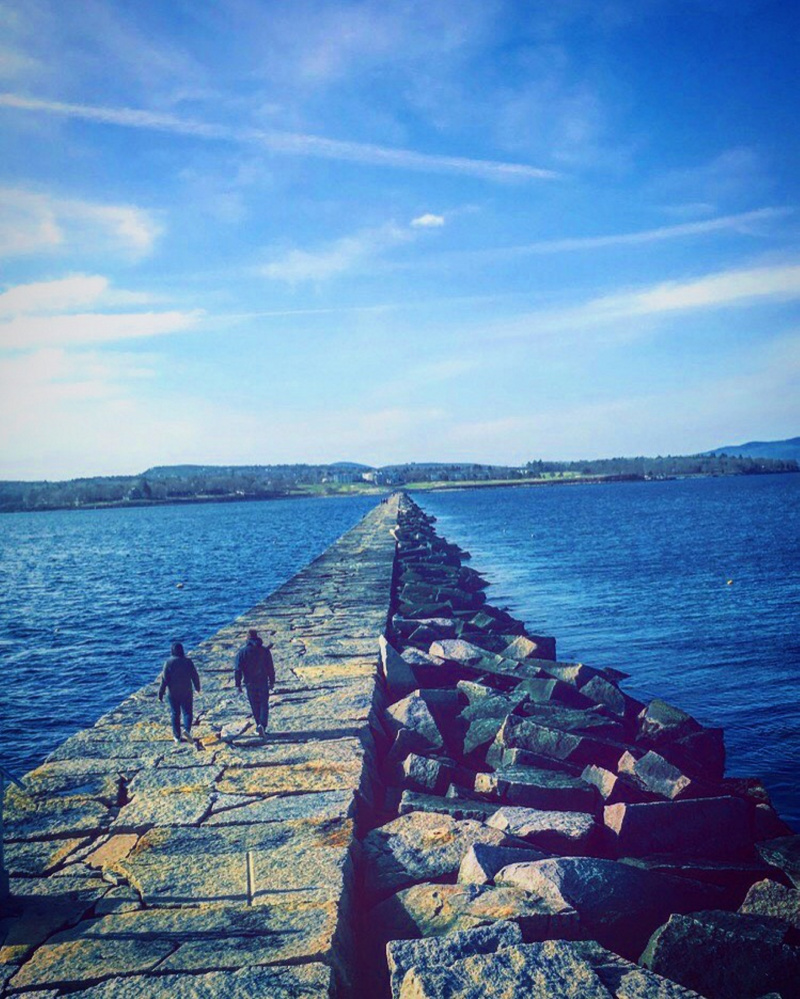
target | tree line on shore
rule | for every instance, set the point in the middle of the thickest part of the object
(209, 483)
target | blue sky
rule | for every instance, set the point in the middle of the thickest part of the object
(245, 231)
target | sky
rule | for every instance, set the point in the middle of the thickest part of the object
(257, 231)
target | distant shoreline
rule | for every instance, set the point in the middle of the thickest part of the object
(355, 489)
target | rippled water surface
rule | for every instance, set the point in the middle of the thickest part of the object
(635, 575)
(628, 575)
(89, 600)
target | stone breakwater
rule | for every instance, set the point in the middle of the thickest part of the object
(441, 810)
(545, 834)
(223, 868)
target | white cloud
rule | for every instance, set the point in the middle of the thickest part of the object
(27, 332)
(290, 143)
(754, 223)
(33, 222)
(726, 289)
(428, 221)
(53, 296)
(337, 258)
(43, 313)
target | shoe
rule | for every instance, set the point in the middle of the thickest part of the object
(187, 736)
(176, 738)
(260, 730)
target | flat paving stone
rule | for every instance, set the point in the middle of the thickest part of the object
(305, 982)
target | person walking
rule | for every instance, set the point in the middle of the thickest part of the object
(177, 679)
(254, 666)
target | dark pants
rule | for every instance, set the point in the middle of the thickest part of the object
(259, 703)
(180, 706)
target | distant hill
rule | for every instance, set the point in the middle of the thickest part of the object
(788, 449)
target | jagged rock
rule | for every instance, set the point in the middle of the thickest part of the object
(767, 824)
(614, 787)
(552, 968)
(483, 716)
(658, 776)
(482, 862)
(697, 750)
(768, 898)
(472, 691)
(419, 847)
(619, 906)
(531, 647)
(725, 955)
(460, 651)
(497, 756)
(626, 980)
(444, 705)
(458, 807)
(550, 689)
(700, 754)
(427, 953)
(480, 734)
(550, 742)
(427, 910)
(492, 705)
(416, 657)
(717, 828)
(406, 741)
(537, 788)
(599, 690)
(399, 676)
(414, 715)
(555, 831)
(476, 661)
(585, 721)
(732, 880)
(783, 853)
(576, 674)
(423, 773)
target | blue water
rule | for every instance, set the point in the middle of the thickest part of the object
(89, 600)
(626, 575)
(635, 575)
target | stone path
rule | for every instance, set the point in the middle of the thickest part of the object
(146, 868)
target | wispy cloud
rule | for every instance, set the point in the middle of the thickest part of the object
(753, 223)
(78, 290)
(342, 255)
(44, 314)
(743, 223)
(29, 332)
(726, 289)
(34, 222)
(289, 143)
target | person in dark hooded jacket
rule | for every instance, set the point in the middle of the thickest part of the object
(254, 666)
(178, 679)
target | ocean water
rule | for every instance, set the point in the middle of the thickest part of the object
(636, 576)
(632, 575)
(89, 599)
